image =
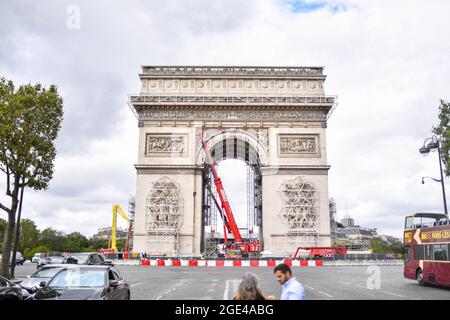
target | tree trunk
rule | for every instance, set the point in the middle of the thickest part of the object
(6, 250)
(9, 234)
(17, 239)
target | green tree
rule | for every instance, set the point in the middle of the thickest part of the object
(76, 242)
(380, 246)
(97, 243)
(121, 243)
(29, 235)
(53, 239)
(29, 253)
(30, 119)
(443, 132)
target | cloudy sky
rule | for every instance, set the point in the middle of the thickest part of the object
(387, 61)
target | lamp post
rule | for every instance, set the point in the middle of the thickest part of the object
(433, 145)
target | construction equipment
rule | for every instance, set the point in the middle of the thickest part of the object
(238, 246)
(117, 209)
(321, 252)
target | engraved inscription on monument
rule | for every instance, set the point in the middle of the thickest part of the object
(161, 144)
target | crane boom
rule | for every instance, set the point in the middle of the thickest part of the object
(222, 195)
(117, 209)
(224, 217)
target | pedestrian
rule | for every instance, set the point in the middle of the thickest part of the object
(291, 289)
(248, 288)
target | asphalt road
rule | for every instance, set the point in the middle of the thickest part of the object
(217, 283)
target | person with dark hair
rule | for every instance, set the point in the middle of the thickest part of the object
(291, 288)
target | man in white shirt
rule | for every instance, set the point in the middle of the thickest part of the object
(291, 288)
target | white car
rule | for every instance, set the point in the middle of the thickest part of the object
(37, 257)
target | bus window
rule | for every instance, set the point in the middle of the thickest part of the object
(406, 252)
(440, 252)
(419, 252)
(409, 223)
(429, 252)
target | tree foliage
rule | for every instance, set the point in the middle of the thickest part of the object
(52, 241)
(442, 130)
(29, 235)
(30, 119)
(380, 246)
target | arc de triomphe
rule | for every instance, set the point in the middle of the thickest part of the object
(274, 118)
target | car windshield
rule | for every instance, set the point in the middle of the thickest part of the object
(77, 258)
(46, 272)
(76, 277)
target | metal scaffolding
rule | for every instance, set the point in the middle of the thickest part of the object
(233, 148)
(163, 215)
(300, 213)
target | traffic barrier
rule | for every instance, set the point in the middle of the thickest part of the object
(271, 263)
(176, 263)
(228, 263)
(245, 263)
(288, 262)
(220, 263)
(193, 263)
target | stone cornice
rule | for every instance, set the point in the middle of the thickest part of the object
(149, 71)
(137, 100)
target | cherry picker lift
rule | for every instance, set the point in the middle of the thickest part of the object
(238, 245)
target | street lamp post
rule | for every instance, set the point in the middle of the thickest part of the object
(435, 144)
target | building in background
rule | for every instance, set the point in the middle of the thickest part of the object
(354, 237)
(333, 222)
(105, 233)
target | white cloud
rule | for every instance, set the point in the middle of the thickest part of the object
(387, 61)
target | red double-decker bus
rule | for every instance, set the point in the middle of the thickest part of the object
(427, 244)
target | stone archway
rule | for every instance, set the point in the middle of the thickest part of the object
(240, 145)
(279, 113)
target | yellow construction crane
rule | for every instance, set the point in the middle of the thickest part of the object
(117, 209)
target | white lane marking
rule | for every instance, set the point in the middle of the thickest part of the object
(326, 294)
(361, 286)
(308, 287)
(178, 284)
(135, 284)
(230, 285)
(227, 288)
(393, 294)
(345, 282)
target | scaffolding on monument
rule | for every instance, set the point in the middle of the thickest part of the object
(232, 148)
(300, 213)
(163, 216)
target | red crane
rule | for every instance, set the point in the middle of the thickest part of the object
(227, 214)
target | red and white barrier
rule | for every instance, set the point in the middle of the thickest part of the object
(229, 263)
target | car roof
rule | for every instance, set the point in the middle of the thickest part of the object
(59, 265)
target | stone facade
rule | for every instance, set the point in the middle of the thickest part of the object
(281, 112)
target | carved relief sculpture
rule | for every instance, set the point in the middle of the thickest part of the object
(172, 144)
